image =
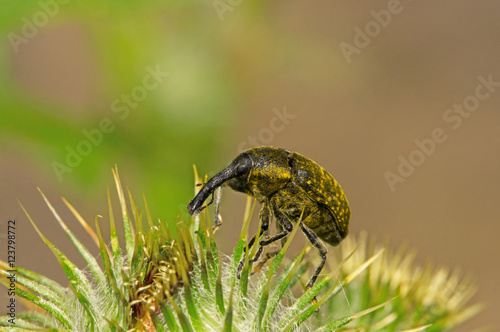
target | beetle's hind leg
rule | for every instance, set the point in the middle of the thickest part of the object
(316, 242)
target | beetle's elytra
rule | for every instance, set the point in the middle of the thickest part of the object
(286, 183)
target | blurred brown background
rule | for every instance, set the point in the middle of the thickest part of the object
(355, 115)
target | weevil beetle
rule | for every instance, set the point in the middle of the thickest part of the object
(286, 183)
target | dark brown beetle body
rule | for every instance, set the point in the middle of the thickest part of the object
(286, 183)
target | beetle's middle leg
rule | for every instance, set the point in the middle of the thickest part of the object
(281, 235)
(283, 226)
(279, 230)
(264, 216)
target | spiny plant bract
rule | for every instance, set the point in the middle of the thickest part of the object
(162, 282)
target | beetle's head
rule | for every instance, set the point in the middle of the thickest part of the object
(240, 166)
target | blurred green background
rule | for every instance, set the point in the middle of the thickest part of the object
(157, 86)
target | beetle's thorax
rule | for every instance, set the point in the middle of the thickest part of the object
(265, 182)
(269, 174)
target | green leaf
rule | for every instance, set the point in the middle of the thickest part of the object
(113, 325)
(87, 256)
(228, 318)
(37, 318)
(111, 279)
(203, 266)
(137, 261)
(78, 281)
(127, 227)
(42, 280)
(186, 239)
(281, 254)
(264, 298)
(213, 246)
(115, 243)
(39, 289)
(293, 315)
(185, 323)
(20, 324)
(240, 245)
(282, 287)
(48, 306)
(219, 292)
(338, 323)
(190, 303)
(82, 221)
(169, 317)
(158, 324)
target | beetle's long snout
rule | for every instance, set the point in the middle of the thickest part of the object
(237, 167)
(194, 207)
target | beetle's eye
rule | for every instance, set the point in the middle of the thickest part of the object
(241, 169)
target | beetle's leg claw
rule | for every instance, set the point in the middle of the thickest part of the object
(250, 261)
(261, 263)
(264, 260)
(314, 300)
(217, 223)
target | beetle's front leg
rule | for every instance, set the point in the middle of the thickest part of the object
(217, 217)
(264, 216)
